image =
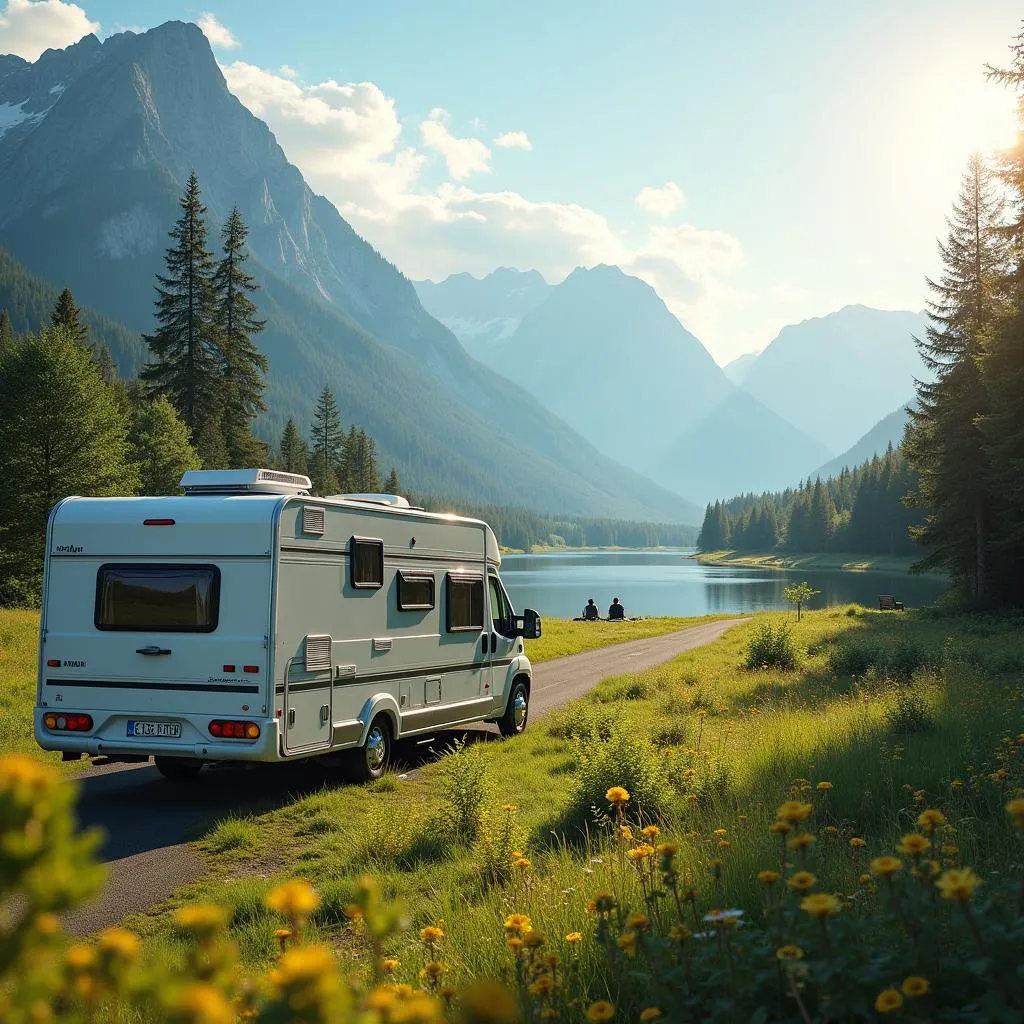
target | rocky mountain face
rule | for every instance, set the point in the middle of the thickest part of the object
(837, 375)
(739, 367)
(482, 313)
(95, 144)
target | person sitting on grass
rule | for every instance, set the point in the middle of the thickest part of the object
(616, 611)
(590, 613)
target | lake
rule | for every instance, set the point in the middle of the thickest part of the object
(670, 583)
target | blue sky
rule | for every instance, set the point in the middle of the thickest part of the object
(796, 157)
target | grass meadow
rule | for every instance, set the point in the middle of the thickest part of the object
(884, 716)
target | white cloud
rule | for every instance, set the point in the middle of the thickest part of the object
(514, 140)
(463, 157)
(288, 71)
(28, 27)
(348, 141)
(789, 293)
(662, 200)
(218, 34)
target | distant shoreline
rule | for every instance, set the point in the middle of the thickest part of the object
(846, 562)
(550, 549)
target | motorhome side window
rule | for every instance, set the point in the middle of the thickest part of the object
(158, 598)
(465, 603)
(415, 591)
(367, 563)
(501, 610)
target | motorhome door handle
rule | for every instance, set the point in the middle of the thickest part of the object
(484, 644)
(152, 651)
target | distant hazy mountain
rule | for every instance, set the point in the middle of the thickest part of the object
(483, 312)
(836, 375)
(888, 431)
(738, 369)
(95, 144)
(740, 446)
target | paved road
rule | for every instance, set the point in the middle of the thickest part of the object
(148, 821)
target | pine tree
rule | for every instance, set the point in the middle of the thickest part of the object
(245, 366)
(367, 475)
(159, 447)
(188, 364)
(391, 484)
(67, 316)
(6, 330)
(943, 440)
(294, 453)
(49, 449)
(328, 444)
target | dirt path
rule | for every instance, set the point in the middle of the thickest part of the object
(148, 821)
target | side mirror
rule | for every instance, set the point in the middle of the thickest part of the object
(528, 625)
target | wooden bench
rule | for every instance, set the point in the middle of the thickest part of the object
(887, 603)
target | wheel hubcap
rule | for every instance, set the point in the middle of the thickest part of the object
(519, 708)
(376, 749)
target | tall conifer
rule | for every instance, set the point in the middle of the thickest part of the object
(244, 365)
(328, 444)
(187, 365)
(294, 457)
(67, 316)
(6, 330)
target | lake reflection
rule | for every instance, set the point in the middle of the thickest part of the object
(670, 583)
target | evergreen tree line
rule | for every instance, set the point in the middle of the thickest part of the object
(966, 439)
(861, 511)
(523, 529)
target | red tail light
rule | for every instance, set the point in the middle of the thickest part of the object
(251, 668)
(157, 522)
(221, 728)
(53, 662)
(67, 722)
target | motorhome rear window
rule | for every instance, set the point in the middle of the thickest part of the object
(158, 598)
(367, 558)
(465, 603)
(415, 591)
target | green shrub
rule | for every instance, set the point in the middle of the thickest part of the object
(910, 712)
(771, 647)
(463, 783)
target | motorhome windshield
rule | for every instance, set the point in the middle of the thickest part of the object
(158, 598)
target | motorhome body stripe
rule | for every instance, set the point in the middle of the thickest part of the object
(121, 684)
(390, 554)
(402, 673)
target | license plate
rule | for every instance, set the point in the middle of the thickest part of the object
(171, 730)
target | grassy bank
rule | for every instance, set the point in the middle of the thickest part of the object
(883, 716)
(563, 636)
(824, 560)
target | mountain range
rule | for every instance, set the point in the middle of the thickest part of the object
(603, 351)
(96, 141)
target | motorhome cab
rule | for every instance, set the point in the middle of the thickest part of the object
(249, 621)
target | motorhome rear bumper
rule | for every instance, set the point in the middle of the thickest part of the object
(266, 748)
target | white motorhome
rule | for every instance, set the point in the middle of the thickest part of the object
(249, 621)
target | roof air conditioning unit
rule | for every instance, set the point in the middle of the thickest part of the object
(244, 481)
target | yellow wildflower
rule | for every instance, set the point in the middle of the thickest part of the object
(627, 943)
(801, 841)
(542, 986)
(667, 849)
(600, 1011)
(768, 877)
(679, 932)
(724, 843)
(431, 933)
(931, 819)
(958, 884)
(533, 940)
(616, 795)
(913, 844)
(199, 1003)
(639, 853)
(119, 944)
(720, 832)
(651, 1013)
(819, 904)
(509, 808)
(295, 898)
(856, 842)
(831, 830)
(823, 787)
(651, 831)
(888, 1001)
(523, 863)
(789, 953)
(80, 956)
(201, 919)
(637, 921)
(915, 986)
(780, 827)
(793, 811)
(389, 964)
(573, 937)
(517, 923)
(926, 869)
(1015, 809)
(801, 881)
(433, 970)
(886, 866)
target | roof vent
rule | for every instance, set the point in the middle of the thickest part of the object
(392, 500)
(244, 481)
